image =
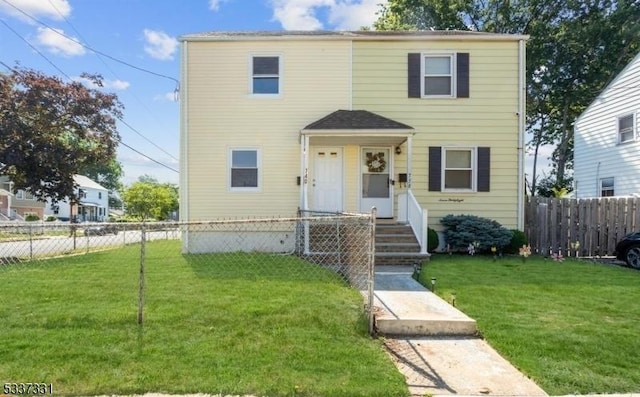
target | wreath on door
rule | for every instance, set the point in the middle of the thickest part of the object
(376, 162)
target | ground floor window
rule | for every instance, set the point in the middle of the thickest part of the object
(244, 166)
(607, 187)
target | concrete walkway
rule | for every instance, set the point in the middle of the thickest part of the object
(434, 345)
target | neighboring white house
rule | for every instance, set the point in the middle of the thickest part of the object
(607, 141)
(93, 206)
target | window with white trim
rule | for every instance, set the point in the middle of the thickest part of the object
(626, 128)
(607, 187)
(438, 75)
(265, 75)
(458, 169)
(244, 169)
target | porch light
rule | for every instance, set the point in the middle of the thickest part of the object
(398, 150)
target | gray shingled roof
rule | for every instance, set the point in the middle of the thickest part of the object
(358, 34)
(356, 120)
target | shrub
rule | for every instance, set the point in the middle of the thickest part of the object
(51, 218)
(462, 230)
(432, 240)
(517, 241)
(31, 218)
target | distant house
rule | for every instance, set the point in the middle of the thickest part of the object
(607, 141)
(17, 205)
(273, 122)
(93, 205)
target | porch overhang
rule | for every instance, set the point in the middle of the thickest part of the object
(357, 137)
(356, 127)
(353, 128)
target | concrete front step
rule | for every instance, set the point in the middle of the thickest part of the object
(405, 307)
(400, 258)
(397, 247)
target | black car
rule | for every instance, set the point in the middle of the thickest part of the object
(628, 249)
(100, 230)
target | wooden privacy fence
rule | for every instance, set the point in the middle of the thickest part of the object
(555, 225)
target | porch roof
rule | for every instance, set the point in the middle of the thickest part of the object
(357, 127)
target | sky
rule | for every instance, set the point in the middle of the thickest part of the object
(133, 45)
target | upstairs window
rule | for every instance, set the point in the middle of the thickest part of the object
(244, 169)
(607, 187)
(626, 129)
(437, 75)
(265, 73)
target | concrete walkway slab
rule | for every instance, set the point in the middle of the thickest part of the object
(467, 366)
(405, 307)
(443, 357)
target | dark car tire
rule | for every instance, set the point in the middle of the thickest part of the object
(632, 256)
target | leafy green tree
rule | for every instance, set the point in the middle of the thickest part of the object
(575, 48)
(150, 200)
(51, 130)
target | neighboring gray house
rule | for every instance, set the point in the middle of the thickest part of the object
(93, 206)
(607, 141)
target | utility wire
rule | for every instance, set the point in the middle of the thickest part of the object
(93, 49)
(115, 74)
(67, 76)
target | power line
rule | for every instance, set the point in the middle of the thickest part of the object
(93, 49)
(34, 48)
(115, 74)
(70, 79)
(147, 157)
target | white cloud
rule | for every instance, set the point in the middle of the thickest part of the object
(169, 96)
(352, 15)
(115, 85)
(342, 14)
(53, 9)
(215, 4)
(160, 45)
(57, 43)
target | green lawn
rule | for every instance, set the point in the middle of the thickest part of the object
(572, 326)
(266, 325)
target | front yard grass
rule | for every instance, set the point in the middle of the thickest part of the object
(240, 324)
(572, 326)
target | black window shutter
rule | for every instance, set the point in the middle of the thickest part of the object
(413, 70)
(484, 169)
(462, 74)
(435, 168)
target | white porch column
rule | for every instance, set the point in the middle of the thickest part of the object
(409, 161)
(304, 174)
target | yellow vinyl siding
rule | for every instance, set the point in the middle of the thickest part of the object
(488, 118)
(222, 114)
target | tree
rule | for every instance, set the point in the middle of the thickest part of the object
(149, 199)
(575, 48)
(50, 130)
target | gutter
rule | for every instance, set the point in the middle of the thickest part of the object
(521, 131)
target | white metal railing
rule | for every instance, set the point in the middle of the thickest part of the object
(409, 210)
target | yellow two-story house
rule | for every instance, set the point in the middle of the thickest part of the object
(406, 122)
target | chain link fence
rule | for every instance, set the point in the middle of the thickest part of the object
(304, 248)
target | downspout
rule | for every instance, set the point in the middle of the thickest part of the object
(184, 143)
(521, 131)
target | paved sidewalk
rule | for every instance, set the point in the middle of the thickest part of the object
(434, 361)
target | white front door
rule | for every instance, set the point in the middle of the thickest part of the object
(375, 180)
(327, 179)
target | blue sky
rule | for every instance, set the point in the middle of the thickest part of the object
(144, 33)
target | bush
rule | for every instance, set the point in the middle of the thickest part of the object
(462, 230)
(517, 241)
(31, 218)
(432, 240)
(51, 218)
